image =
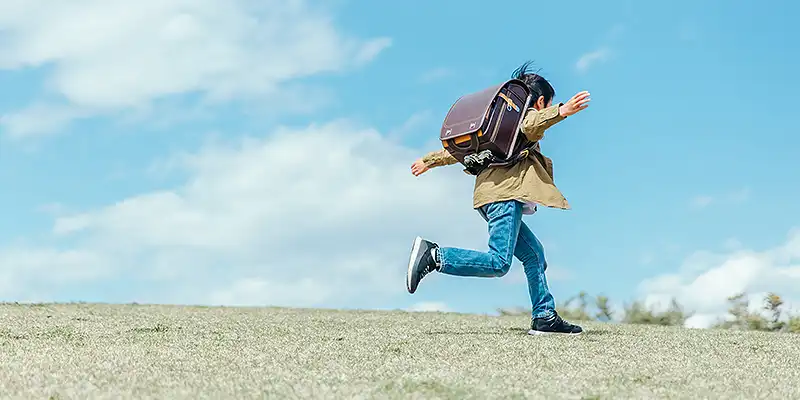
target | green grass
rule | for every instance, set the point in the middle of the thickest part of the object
(140, 351)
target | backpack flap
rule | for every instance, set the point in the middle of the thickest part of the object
(466, 122)
(481, 128)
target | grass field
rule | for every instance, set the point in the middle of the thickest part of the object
(139, 351)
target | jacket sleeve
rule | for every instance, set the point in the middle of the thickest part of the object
(536, 122)
(439, 158)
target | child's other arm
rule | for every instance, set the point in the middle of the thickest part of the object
(433, 159)
(439, 158)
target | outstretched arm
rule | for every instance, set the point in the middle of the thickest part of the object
(533, 126)
(538, 121)
(433, 159)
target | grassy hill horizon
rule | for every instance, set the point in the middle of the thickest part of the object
(86, 350)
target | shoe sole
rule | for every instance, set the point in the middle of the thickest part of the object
(540, 333)
(411, 261)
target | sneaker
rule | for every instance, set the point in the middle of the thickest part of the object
(553, 325)
(421, 263)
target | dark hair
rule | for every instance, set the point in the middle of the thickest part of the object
(538, 85)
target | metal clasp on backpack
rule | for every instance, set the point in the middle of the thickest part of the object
(509, 103)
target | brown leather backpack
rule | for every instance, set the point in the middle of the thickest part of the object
(482, 129)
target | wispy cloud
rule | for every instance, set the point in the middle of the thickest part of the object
(601, 53)
(419, 123)
(736, 197)
(436, 74)
(37, 119)
(144, 53)
(702, 201)
(591, 58)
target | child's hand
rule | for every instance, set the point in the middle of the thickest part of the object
(577, 103)
(418, 168)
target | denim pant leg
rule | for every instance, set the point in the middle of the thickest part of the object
(504, 220)
(530, 252)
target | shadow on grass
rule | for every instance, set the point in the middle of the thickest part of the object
(514, 330)
(65, 333)
(158, 328)
(468, 332)
(586, 332)
(425, 388)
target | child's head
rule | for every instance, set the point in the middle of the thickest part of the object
(541, 90)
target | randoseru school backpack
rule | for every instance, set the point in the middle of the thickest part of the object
(482, 129)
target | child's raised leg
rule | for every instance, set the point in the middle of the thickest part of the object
(504, 220)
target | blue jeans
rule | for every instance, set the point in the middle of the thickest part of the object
(508, 237)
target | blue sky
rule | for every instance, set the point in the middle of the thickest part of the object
(687, 146)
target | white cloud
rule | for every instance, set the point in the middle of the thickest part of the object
(27, 271)
(602, 53)
(318, 216)
(701, 321)
(429, 306)
(732, 244)
(587, 60)
(314, 216)
(706, 280)
(38, 118)
(702, 201)
(735, 197)
(111, 55)
(418, 124)
(436, 74)
(305, 292)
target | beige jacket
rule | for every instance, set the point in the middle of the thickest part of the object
(529, 181)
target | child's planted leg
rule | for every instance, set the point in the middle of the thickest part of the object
(544, 318)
